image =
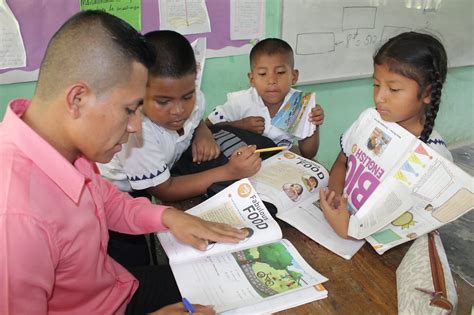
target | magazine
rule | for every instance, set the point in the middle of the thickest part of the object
(292, 183)
(292, 117)
(262, 268)
(398, 187)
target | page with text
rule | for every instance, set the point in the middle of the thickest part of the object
(308, 218)
(245, 277)
(375, 150)
(286, 179)
(237, 205)
(424, 192)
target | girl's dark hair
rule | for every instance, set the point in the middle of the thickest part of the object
(420, 57)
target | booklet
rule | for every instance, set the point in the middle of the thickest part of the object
(292, 183)
(263, 268)
(292, 117)
(398, 187)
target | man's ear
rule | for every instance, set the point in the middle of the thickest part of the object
(426, 96)
(76, 97)
(250, 76)
(296, 74)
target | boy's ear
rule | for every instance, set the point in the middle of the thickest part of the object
(250, 76)
(76, 98)
(426, 96)
(296, 74)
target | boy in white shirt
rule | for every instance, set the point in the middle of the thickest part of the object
(172, 121)
(271, 77)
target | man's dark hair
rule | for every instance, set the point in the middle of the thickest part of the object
(272, 46)
(95, 47)
(174, 54)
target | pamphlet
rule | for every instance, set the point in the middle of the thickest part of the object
(292, 183)
(399, 188)
(292, 117)
(263, 268)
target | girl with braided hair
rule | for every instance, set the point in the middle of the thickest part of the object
(409, 72)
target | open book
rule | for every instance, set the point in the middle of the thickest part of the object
(292, 117)
(258, 274)
(292, 183)
(398, 187)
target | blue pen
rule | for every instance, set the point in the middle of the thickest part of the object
(188, 306)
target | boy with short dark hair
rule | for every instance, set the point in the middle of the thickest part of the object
(271, 77)
(172, 121)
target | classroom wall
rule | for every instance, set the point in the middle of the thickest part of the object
(342, 101)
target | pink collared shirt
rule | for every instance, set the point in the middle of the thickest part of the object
(54, 218)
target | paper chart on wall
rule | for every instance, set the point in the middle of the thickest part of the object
(246, 19)
(12, 50)
(185, 17)
(199, 47)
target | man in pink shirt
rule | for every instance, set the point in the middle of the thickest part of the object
(55, 210)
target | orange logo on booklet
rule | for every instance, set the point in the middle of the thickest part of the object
(289, 155)
(244, 190)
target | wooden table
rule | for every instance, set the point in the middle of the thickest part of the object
(366, 284)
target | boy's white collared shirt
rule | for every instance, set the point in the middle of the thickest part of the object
(248, 103)
(146, 159)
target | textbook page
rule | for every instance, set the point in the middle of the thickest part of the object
(309, 219)
(299, 206)
(286, 178)
(424, 192)
(237, 205)
(245, 277)
(284, 302)
(376, 146)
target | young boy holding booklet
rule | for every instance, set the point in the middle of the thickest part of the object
(271, 77)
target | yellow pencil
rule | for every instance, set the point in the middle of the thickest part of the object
(283, 147)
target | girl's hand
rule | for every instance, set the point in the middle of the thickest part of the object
(244, 162)
(197, 232)
(178, 308)
(335, 211)
(316, 116)
(204, 147)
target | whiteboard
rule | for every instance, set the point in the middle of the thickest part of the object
(335, 40)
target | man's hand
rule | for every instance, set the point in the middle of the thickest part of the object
(335, 211)
(254, 124)
(316, 116)
(244, 162)
(196, 232)
(178, 308)
(204, 147)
